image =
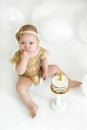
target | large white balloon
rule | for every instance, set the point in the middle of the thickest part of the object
(41, 12)
(84, 85)
(11, 18)
(83, 60)
(83, 30)
(55, 29)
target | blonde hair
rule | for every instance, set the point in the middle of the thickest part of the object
(25, 28)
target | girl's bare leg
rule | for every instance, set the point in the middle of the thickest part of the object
(22, 89)
(54, 69)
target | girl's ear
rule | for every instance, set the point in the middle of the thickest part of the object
(18, 42)
(38, 40)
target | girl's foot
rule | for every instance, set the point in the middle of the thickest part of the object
(74, 83)
(34, 109)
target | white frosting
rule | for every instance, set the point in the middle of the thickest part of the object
(61, 84)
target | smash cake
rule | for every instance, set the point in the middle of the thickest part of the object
(59, 84)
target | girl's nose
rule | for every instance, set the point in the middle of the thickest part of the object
(27, 45)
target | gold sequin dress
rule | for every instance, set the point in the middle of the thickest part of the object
(33, 69)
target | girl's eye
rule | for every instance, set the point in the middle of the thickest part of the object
(22, 42)
(31, 43)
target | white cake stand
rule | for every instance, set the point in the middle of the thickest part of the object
(58, 104)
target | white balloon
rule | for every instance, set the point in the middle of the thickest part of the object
(41, 12)
(83, 60)
(83, 29)
(55, 30)
(11, 18)
(84, 85)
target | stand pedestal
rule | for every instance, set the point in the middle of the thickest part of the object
(58, 104)
(59, 86)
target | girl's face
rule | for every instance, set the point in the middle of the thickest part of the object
(28, 42)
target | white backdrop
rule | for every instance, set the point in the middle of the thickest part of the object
(62, 25)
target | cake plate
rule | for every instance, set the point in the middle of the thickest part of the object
(58, 104)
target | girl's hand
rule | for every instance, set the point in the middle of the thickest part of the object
(27, 54)
(44, 75)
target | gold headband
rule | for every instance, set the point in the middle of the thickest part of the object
(31, 32)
